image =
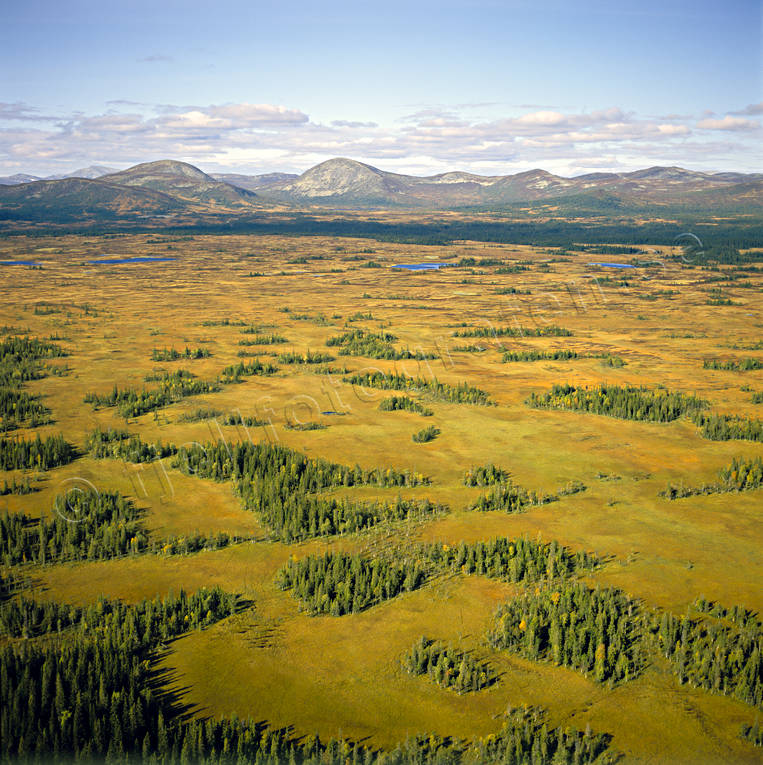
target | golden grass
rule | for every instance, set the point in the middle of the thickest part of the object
(342, 675)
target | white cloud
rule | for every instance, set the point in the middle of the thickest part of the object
(257, 138)
(728, 123)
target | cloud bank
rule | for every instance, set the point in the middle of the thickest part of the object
(259, 138)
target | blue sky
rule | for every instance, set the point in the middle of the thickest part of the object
(486, 86)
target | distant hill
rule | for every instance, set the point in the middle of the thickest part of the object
(13, 180)
(253, 182)
(91, 172)
(346, 183)
(179, 179)
(79, 199)
(167, 186)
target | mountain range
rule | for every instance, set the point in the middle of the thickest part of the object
(170, 188)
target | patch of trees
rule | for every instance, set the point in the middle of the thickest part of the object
(757, 397)
(734, 365)
(199, 415)
(574, 626)
(375, 345)
(309, 357)
(87, 525)
(485, 475)
(553, 355)
(338, 583)
(614, 362)
(447, 666)
(17, 487)
(399, 403)
(425, 435)
(550, 331)
(258, 339)
(36, 454)
(510, 498)
(171, 354)
(626, 402)
(18, 408)
(119, 444)
(91, 697)
(84, 525)
(279, 484)
(133, 403)
(193, 543)
(20, 361)
(463, 393)
(295, 517)
(136, 625)
(727, 427)
(526, 737)
(234, 372)
(717, 657)
(512, 560)
(741, 475)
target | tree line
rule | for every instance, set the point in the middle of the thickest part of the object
(463, 393)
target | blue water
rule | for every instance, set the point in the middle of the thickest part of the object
(613, 265)
(19, 263)
(111, 261)
(420, 266)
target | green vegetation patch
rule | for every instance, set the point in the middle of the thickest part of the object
(463, 393)
(375, 345)
(448, 667)
(404, 403)
(554, 355)
(550, 331)
(627, 402)
(741, 475)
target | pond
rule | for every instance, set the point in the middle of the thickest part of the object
(420, 266)
(19, 263)
(613, 265)
(138, 259)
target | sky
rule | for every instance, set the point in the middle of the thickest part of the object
(420, 87)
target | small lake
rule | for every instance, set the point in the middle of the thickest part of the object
(613, 265)
(420, 266)
(112, 261)
(19, 263)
